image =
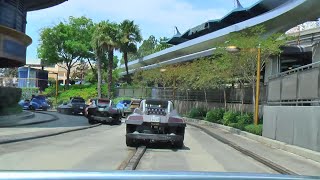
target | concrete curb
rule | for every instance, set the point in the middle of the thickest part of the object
(134, 161)
(13, 139)
(27, 115)
(309, 154)
(255, 156)
(54, 118)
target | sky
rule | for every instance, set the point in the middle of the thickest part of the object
(154, 17)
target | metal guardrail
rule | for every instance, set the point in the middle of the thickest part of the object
(302, 68)
(299, 86)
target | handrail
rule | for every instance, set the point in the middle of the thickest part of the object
(308, 66)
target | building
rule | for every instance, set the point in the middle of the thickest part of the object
(54, 70)
(13, 40)
(32, 78)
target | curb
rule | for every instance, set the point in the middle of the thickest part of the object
(309, 154)
(7, 141)
(134, 161)
(27, 115)
(54, 118)
(258, 158)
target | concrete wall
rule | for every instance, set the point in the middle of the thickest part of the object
(296, 125)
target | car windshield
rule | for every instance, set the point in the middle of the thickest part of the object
(78, 101)
(160, 87)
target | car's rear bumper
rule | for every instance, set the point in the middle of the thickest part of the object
(102, 119)
(154, 137)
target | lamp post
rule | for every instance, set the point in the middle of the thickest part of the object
(234, 49)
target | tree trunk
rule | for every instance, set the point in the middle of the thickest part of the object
(253, 96)
(99, 76)
(205, 96)
(225, 98)
(68, 77)
(242, 97)
(125, 58)
(110, 67)
(93, 70)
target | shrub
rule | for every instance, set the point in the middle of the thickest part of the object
(9, 96)
(215, 115)
(243, 120)
(230, 117)
(11, 110)
(197, 113)
(254, 129)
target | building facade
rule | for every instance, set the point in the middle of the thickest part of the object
(13, 40)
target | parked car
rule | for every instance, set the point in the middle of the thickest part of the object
(103, 111)
(155, 121)
(37, 102)
(76, 105)
(124, 107)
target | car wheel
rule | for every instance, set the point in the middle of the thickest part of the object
(45, 109)
(32, 108)
(91, 121)
(178, 144)
(130, 142)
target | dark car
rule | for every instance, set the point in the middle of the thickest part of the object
(103, 111)
(155, 121)
(76, 105)
(37, 102)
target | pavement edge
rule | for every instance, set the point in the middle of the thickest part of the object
(306, 153)
(135, 159)
(251, 154)
(7, 141)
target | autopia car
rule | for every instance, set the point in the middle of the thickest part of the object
(37, 102)
(103, 111)
(76, 105)
(155, 121)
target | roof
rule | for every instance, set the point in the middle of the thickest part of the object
(32, 5)
(237, 15)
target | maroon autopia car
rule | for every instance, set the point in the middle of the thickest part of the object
(155, 121)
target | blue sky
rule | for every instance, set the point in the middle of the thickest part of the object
(155, 17)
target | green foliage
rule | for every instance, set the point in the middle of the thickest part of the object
(9, 96)
(28, 92)
(215, 116)
(10, 110)
(68, 42)
(230, 117)
(118, 99)
(149, 46)
(197, 113)
(254, 129)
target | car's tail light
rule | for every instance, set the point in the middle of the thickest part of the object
(175, 120)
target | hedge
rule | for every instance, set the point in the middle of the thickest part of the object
(197, 113)
(215, 116)
(9, 96)
(254, 129)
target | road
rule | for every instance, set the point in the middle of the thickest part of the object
(103, 148)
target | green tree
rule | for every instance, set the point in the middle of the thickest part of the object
(66, 43)
(105, 40)
(130, 35)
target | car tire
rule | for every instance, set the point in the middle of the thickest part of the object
(130, 142)
(178, 144)
(32, 108)
(91, 121)
(45, 109)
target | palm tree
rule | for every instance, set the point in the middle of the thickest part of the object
(130, 36)
(105, 40)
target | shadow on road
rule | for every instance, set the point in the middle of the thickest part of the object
(166, 146)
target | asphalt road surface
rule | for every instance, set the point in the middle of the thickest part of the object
(201, 153)
(104, 148)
